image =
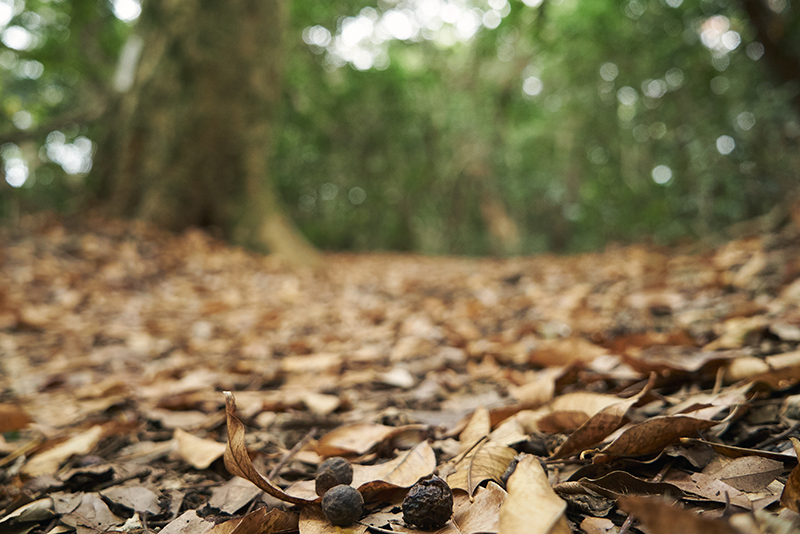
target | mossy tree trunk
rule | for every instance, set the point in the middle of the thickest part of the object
(191, 139)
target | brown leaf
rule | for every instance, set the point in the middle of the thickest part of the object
(749, 473)
(198, 452)
(710, 488)
(662, 518)
(313, 521)
(532, 507)
(136, 498)
(238, 462)
(790, 498)
(618, 483)
(655, 434)
(259, 521)
(188, 523)
(91, 516)
(478, 428)
(12, 417)
(50, 460)
(485, 461)
(359, 438)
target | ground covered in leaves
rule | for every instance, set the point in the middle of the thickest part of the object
(634, 390)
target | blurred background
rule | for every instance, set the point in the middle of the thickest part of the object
(438, 126)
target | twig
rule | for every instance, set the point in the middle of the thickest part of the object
(658, 478)
(144, 522)
(294, 450)
(777, 437)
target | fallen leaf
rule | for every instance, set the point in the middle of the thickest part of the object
(50, 460)
(12, 417)
(790, 498)
(35, 511)
(598, 525)
(532, 507)
(662, 518)
(618, 483)
(91, 516)
(188, 523)
(198, 452)
(233, 495)
(136, 498)
(359, 438)
(261, 521)
(600, 425)
(749, 473)
(238, 462)
(654, 434)
(478, 428)
(487, 460)
(313, 521)
(710, 488)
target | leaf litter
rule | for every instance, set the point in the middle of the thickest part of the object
(162, 383)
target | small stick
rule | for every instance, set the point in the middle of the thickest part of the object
(294, 450)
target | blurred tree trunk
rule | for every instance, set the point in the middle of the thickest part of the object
(189, 144)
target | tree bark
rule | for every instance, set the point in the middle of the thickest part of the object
(191, 140)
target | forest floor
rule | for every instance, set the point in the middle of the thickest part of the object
(638, 389)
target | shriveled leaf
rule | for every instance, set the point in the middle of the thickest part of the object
(790, 498)
(259, 521)
(92, 515)
(659, 517)
(32, 512)
(478, 428)
(313, 521)
(739, 452)
(532, 507)
(238, 462)
(655, 434)
(485, 461)
(50, 460)
(198, 452)
(750, 473)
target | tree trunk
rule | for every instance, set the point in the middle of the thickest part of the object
(191, 139)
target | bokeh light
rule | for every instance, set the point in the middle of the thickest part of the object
(725, 144)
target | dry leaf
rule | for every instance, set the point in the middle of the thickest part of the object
(478, 428)
(618, 483)
(50, 460)
(487, 460)
(662, 518)
(710, 488)
(313, 521)
(233, 495)
(790, 498)
(532, 507)
(238, 462)
(655, 434)
(198, 452)
(188, 523)
(12, 417)
(261, 521)
(136, 498)
(750, 473)
(359, 438)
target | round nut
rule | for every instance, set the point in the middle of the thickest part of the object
(428, 504)
(342, 505)
(332, 472)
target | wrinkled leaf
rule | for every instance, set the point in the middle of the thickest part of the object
(749, 473)
(618, 483)
(261, 521)
(238, 462)
(710, 488)
(198, 452)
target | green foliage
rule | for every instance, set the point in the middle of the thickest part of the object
(576, 123)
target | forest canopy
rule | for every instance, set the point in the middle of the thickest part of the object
(455, 126)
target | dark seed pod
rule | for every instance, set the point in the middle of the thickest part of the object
(428, 504)
(332, 472)
(342, 505)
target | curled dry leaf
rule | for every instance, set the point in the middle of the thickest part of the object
(662, 518)
(237, 461)
(526, 486)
